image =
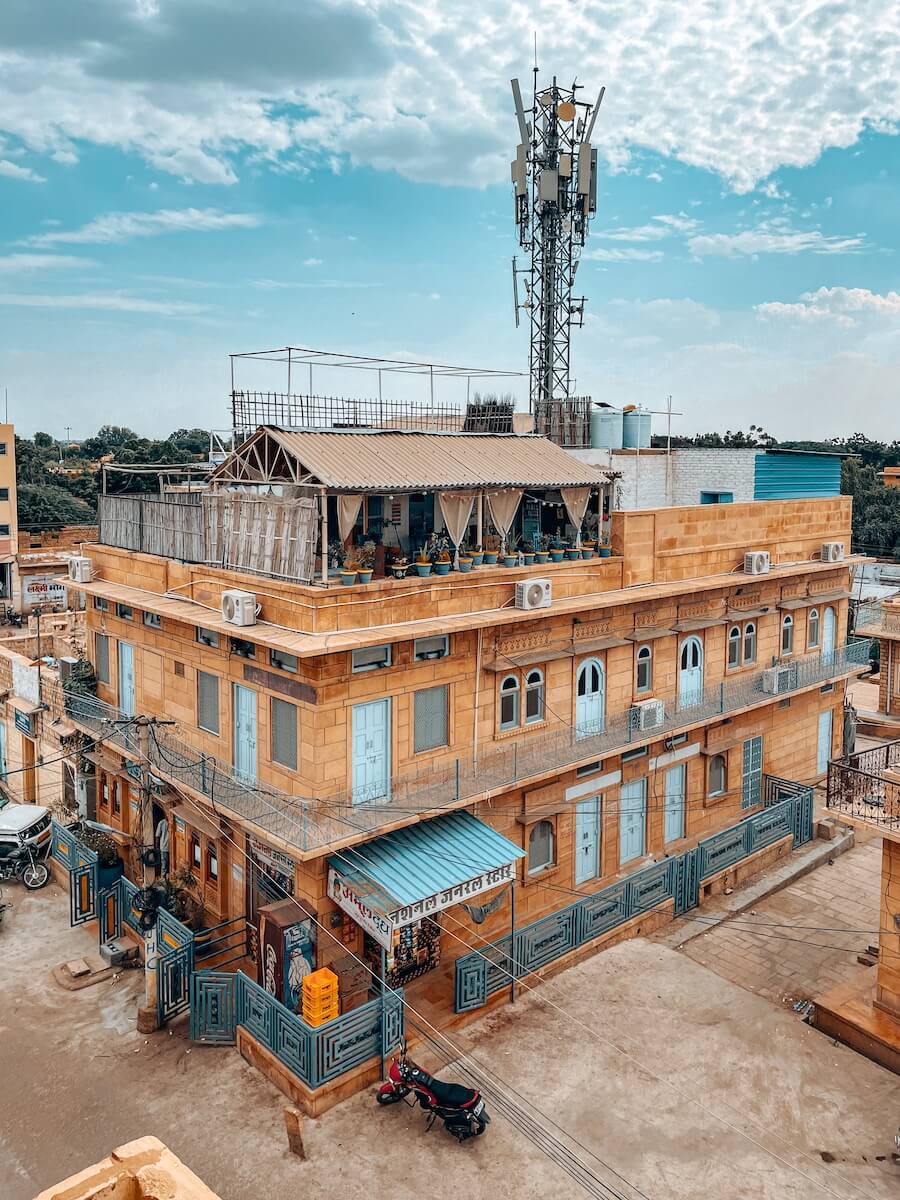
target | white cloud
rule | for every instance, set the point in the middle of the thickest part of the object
(103, 301)
(655, 177)
(772, 237)
(312, 262)
(660, 227)
(276, 284)
(420, 88)
(434, 295)
(625, 254)
(122, 227)
(26, 263)
(845, 306)
(11, 170)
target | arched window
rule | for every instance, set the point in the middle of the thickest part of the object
(787, 635)
(717, 781)
(540, 846)
(509, 702)
(534, 697)
(645, 669)
(749, 642)
(812, 629)
(734, 646)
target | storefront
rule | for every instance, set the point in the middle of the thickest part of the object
(394, 887)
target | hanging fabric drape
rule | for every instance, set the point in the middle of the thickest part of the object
(576, 502)
(503, 508)
(347, 511)
(456, 509)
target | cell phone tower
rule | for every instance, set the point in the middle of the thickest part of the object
(554, 177)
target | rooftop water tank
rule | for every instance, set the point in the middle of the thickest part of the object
(636, 429)
(606, 428)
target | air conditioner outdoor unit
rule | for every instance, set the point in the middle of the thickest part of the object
(239, 608)
(80, 570)
(757, 562)
(832, 552)
(779, 679)
(533, 593)
(648, 714)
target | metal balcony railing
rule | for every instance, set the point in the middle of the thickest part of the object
(875, 617)
(857, 786)
(310, 823)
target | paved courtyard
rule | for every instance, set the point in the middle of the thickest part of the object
(685, 1084)
(768, 950)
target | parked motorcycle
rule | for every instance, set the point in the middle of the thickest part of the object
(11, 617)
(21, 862)
(460, 1108)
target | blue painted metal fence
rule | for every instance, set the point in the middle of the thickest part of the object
(220, 1002)
(480, 975)
(81, 863)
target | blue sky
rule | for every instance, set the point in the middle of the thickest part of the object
(179, 180)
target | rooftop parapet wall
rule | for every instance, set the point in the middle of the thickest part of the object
(661, 546)
(144, 1169)
(667, 544)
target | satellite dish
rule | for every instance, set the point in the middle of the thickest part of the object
(566, 111)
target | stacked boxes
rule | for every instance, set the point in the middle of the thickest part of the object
(353, 982)
(320, 997)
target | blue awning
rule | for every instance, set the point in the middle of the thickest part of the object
(410, 873)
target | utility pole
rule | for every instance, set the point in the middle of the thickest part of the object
(148, 1019)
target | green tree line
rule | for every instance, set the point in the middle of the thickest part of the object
(58, 483)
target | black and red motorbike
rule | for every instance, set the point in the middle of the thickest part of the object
(460, 1108)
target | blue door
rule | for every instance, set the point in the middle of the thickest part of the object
(590, 702)
(371, 751)
(244, 731)
(676, 780)
(690, 673)
(587, 840)
(751, 773)
(632, 820)
(126, 679)
(828, 633)
(823, 745)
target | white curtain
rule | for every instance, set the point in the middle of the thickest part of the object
(347, 510)
(456, 509)
(576, 502)
(503, 507)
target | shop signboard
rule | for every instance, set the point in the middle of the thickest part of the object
(382, 926)
(24, 722)
(43, 589)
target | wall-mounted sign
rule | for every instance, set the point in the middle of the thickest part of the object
(382, 926)
(25, 723)
(43, 589)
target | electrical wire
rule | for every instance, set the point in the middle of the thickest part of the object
(684, 1095)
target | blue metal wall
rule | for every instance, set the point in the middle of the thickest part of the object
(796, 476)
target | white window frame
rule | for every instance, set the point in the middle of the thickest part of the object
(152, 620)
(534, 685)
(787, 634)
(441, 648)
(537, 868)
(735, 642)
(749, 639)
(710, 790)
(359, 666)
(813, 620)
(644, 659)
(514, 690)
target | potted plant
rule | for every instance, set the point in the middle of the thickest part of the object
(443, 563)
(491, 549)
(464, 559)
(422, 564)
(477, 553)
(399, 567)
(557, 551)
(588, 546)
(542, 553)
(510, 555)
(573, 552)
(605, 550)
(366, 559)
(109, 862)
(528, 554)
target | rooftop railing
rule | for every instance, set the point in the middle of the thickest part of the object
(876, 617)
(857, 786)
(312, 824)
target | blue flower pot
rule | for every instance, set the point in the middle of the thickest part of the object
(423, 570)
(605, 552)
(442, 568)
(490, 558)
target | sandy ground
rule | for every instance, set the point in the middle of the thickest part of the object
(77, 1080)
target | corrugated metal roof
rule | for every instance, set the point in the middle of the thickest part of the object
(385, 460)
(411, 864)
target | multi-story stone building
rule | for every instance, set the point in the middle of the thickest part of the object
(429, 765)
